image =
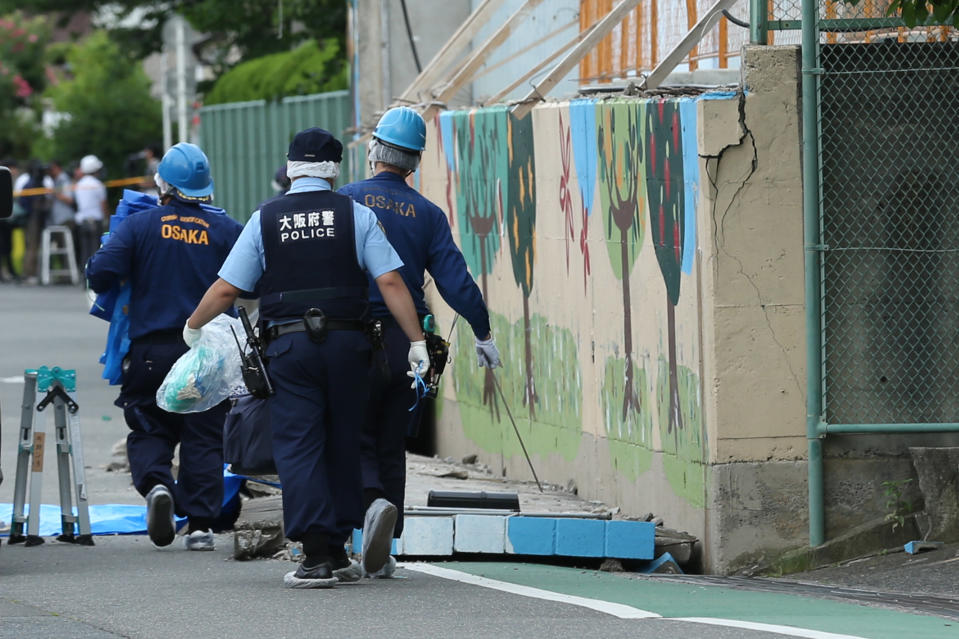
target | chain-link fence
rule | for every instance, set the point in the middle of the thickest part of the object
(889, 214)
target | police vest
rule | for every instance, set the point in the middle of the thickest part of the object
(311, 261)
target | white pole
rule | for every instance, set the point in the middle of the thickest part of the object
(183, 132)
(165, 99)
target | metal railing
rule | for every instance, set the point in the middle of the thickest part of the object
(881, 223)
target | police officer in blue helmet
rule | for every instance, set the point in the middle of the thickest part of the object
(312, 254)
(420, 233)
(170, 254)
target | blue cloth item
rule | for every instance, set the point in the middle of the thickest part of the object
(113, 304)
(420, 233)
(170, 256)
(115, 519)
(131, 202)
(246, 262)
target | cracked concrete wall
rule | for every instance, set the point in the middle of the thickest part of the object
(642, 261)
(754, 339)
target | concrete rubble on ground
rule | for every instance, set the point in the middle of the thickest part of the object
(258, 531)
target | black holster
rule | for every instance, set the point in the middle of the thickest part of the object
(315, 322)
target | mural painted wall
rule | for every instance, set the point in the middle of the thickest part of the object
(579, 223)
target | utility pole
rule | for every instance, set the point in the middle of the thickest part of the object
(183, 132)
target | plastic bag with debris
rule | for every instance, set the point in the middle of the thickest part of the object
(208, 373)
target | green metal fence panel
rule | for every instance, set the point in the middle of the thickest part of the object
(247, 142)
(888, 197)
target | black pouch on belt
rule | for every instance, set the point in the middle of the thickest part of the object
(315, 322)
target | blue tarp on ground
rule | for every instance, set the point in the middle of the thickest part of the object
(113, 519)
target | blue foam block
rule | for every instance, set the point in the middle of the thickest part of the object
(580, 537)
(531, 535)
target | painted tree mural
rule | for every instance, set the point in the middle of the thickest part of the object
(621, 187)
(582, 126)
(665, 190)
(521, 229)
(482, 179)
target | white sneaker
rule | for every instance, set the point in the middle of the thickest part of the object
(386, 572)
(160, 524)
(378, 534)
(199, 540)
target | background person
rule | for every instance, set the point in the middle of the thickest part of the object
(312, 249)
(419, 232)
(91, 200)
(171, 255)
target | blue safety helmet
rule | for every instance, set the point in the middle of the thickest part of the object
(402, 127)
(186, 168)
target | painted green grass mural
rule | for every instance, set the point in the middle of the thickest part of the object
(556, 428)
(685, 452)
(630, 439)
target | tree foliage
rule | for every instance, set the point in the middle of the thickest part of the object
(110, 110)
(250, 28)
(307, 69)
(22, 79)
(915, 12)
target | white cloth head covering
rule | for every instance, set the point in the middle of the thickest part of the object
(328, 170)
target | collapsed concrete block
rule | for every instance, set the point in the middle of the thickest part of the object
(427, 536)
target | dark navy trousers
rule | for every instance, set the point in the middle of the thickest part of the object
(317, 414)
(389, 421)
(154, 433)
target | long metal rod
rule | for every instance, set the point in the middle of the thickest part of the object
(811, 238)
(518, 436)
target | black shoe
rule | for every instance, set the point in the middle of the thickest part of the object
(160, 524)
(319, 576)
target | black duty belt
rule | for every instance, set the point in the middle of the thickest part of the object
(298, 327)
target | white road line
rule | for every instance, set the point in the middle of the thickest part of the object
(767, 627)
(615, 609)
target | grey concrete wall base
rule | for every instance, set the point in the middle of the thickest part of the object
(874, 538)
(759, 511)
(938, 471)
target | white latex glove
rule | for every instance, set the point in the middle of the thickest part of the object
(191, 335)
(419, 359)
(486, 353)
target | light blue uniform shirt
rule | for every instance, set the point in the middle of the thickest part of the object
(246, 262)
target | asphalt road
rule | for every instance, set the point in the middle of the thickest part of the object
(123, 587)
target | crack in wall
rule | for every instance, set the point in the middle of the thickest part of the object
(719, 227)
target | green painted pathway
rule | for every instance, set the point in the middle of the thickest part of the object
(676, 600)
